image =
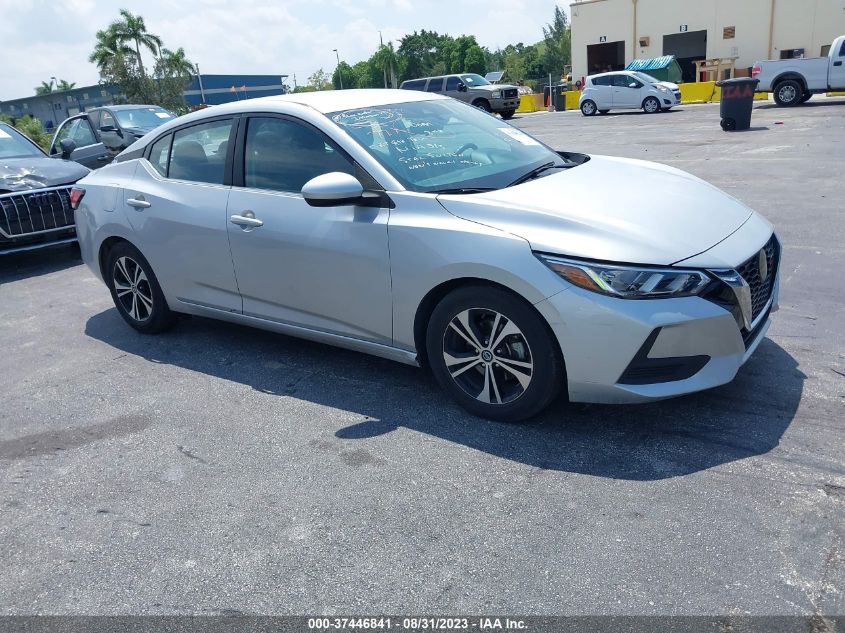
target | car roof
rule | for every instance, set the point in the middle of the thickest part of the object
(613, 72)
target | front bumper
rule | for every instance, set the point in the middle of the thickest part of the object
(503, 105)
(603, 338)
(36, 218)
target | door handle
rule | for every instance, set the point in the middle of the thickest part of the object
(138, 203)
(246, 220)
(837, 63)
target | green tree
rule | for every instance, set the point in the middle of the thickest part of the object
(558, 44)
(474, 60)
(30, 126)
(132, 29)
(173, 71)
(320, 80)
(386, 60)
(45, 88)
(65, 85)
(344, 74)
(108, 47)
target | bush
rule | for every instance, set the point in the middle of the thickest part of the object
(32, 127)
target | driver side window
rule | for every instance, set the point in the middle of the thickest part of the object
(106, 119)
(282, 155)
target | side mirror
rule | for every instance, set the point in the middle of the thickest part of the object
(67, 146)
(332, 190)
(462, 87)
(108, 128)
(633, 85)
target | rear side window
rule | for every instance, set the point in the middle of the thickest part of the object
(160, 154)
(106, 119)
(414, 84)
(842, 50)
(452, 83)
(435, 85)
(199, 152)
(601, 81)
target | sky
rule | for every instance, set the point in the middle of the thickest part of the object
(40, 39)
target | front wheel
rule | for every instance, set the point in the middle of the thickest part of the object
(507, 114)
(806, 97)
(651, 105)
(482, 104)
(788, 93)
(588, 107)
(135, 290)
(493, 353)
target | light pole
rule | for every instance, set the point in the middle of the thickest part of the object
(339, 72)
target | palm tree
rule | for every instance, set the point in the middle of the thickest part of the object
(176, 62)
(131, 29)
(65, 85)
(107, 48)
(385, 59)
(45, 88)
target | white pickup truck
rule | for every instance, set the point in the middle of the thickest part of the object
(794, 81)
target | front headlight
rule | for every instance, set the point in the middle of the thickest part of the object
(628, 282)
(497, 94)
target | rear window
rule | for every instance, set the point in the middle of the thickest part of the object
(602, 81)
(414, 84)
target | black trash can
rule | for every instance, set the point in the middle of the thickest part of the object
(737, 99)
(558, 95)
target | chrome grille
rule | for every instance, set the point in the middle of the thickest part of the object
(761, 289)
(33, 212)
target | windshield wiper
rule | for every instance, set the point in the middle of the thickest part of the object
(460, 190)
(537, 171)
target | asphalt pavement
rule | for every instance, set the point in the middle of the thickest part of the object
(222, 470)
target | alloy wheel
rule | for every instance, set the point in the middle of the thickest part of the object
(132, 289)
(487, 356)
(787, 94)
(651, 105)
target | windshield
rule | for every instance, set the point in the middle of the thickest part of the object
(646, 78)
(474, 80)
(14, 145)
(440, 144)
(143, 117)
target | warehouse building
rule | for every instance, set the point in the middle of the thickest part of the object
(608, 34)
(53, 108)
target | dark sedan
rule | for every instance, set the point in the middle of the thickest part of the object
(36, 198)
(100, 134)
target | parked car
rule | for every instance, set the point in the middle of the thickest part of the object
(503, 99)
(35, 195)
(794, 81)
(627, 89)
(417, 228)
(100, 134)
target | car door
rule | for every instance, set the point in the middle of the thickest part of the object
(454, 87)
(837, 68)
(110, 134)
(325, 268)
(602, 92)
(176, 204)
(624, 95)
(89, 151)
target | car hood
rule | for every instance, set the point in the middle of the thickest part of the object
(668, 84)
(611, 209)
(36, 172)
(493, 87)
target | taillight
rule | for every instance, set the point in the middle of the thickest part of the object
(76, 194)
(756, 70)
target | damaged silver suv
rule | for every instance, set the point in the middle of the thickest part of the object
(471, 88)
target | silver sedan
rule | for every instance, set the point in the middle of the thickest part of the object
(417, 228)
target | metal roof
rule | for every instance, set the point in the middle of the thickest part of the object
(655, 63)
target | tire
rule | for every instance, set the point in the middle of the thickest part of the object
(806, 97)
(788, 93)
(481, 375)
(588, 107)
(651, 105)
(603, 111)
(482, 104)
(135, 290)
(507, 114)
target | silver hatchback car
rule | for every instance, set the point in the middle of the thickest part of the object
(420, 229)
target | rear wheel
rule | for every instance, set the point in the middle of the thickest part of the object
(507, 114)
(651, 105)
(135, 290)
(588, 107)
(788, 93)
(493, 354)
(806, 97)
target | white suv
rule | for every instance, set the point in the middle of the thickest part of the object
(627, 89)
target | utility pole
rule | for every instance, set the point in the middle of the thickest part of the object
(383, 70)
(339, 71)
(202, 91)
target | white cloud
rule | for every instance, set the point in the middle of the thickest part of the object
(39, 39)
